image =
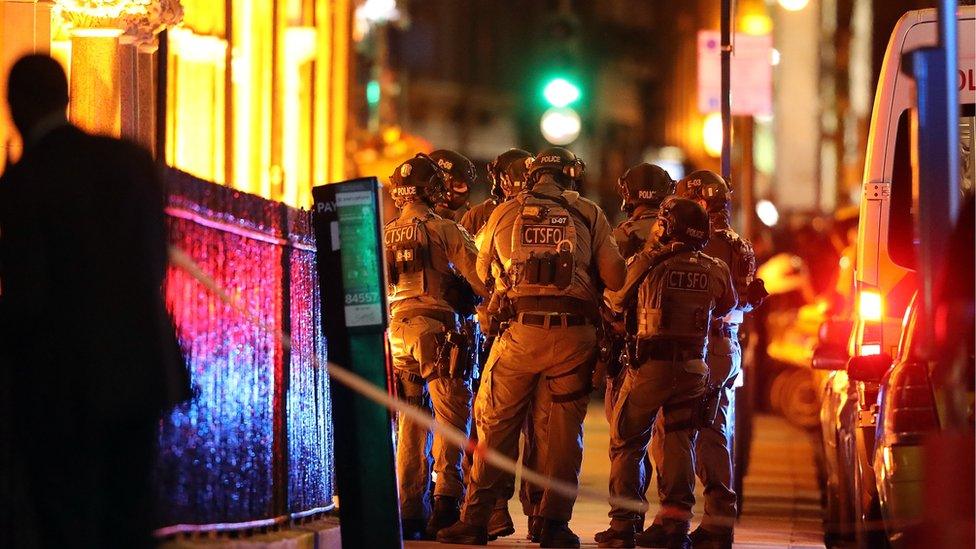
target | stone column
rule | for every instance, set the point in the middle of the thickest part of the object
(95, 90)
(113, 79)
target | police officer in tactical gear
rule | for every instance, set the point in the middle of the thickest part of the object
(671, 295)
(555, 253)
(508, 172)
(714, 464)
(431, 262)
(642, 188)
(459, 177)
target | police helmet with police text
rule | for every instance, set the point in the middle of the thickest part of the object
(508, 172)
(683, 220)
(558, 161)
(707, 187)
(644, 184)
(459, 175)
(417, 179)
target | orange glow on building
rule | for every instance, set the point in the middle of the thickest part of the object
(255, 94)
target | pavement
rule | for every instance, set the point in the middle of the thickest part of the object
(782, 495)
(782, 499)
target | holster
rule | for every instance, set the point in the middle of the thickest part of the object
(399, 376)
(485, 349)
(708, 409)
(612, 351)
(456, 359)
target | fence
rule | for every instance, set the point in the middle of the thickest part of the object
(254, 445)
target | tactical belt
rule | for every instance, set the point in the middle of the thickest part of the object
(440, 315)
(550, 304)
(551, 320)
(411, 377)
(661, 349)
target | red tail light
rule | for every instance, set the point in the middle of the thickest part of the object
(910, 405)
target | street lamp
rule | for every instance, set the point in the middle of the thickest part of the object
(712, 134)
(560, 125)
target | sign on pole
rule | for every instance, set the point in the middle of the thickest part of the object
(752, 73)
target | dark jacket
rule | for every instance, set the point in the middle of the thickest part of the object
(83, 254)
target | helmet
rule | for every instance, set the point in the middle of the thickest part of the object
(559, 161)
(683, 220)
(508, 172)
(707, 187)
(644, 184)
(459, 175)
(417, 179)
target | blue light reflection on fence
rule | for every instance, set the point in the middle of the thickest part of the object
(218, 457)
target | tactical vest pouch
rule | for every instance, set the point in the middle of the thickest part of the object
(392, 275)
(406, 254)
(543, 241)
(564, 265)
(531, 269)
(648, 322)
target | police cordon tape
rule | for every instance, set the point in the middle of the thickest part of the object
(182, 260)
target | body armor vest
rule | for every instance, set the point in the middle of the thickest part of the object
(741, 263)
(743, 260)
(631, 235)
(544, 241)
(409, 272)
(675, 300)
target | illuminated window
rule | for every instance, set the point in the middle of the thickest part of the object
(262, 111)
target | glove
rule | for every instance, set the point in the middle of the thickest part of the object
(756, 292)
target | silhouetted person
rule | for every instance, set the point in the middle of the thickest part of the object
(89, 348)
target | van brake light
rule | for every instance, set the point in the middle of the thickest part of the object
(869, 350)
(871, 306)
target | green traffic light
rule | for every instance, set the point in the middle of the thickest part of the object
(560, 92)
(373, 92)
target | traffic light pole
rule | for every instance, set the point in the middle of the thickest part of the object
(727, 90)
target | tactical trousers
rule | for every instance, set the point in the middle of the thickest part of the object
(414, 344)
(713, 450)
(655, 384)
(533, 368)
(610, 399)
(529, 494)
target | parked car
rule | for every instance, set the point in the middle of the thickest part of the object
(885, 282)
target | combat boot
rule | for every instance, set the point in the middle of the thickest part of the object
(413, 529)
(462, 533)
(446, 512)
(679, 540)
(707, 539)
(612, 537)
(500, 523)
(535, 528)
(556, 533)
(654, 536)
